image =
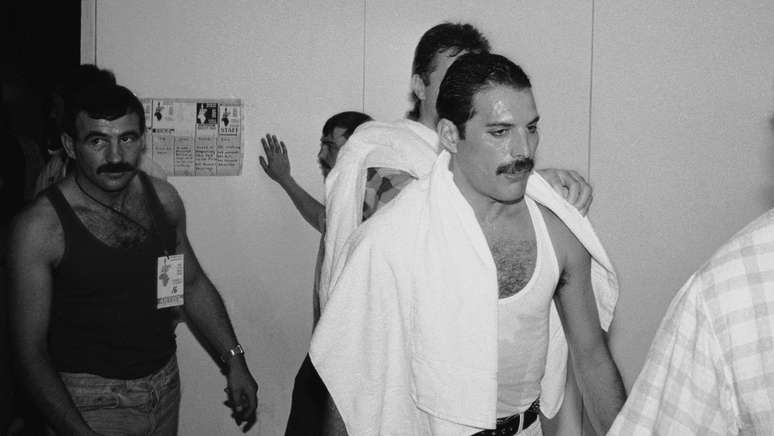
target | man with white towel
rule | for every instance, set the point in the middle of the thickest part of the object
(404, 150)
(442, 315)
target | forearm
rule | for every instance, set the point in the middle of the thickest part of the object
(204, 308)
(601, 388)
(307, 205)
(45, 388)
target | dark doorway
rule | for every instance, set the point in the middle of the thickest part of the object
(40, 40)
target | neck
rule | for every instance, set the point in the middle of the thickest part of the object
(428, 118)
(487, 209)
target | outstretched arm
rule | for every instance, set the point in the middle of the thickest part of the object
(32, 249)
(598, 378)
(570, 185)
(277, 166)
(205, 309)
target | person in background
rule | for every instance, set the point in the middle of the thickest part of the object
(309, 394)
(709, 368)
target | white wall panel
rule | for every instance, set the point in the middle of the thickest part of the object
(681, 150)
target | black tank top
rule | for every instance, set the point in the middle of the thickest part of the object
(104, 319)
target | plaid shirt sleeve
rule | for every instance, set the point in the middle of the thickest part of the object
(685, 386)
(382, 185)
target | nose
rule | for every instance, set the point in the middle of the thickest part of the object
(114, 153)
(520, 144)
(323, 153)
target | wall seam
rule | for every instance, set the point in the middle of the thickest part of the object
(95, 32)
(588, 151)
(363, 96)
(591, 90)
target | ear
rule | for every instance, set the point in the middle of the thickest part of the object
(69, 145)
(418, 86)
(448, 134)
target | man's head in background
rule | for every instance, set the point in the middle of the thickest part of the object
(436, 50)
(335, 133)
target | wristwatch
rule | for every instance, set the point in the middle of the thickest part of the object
(232, 352)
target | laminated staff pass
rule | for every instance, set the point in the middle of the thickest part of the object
(170, 279)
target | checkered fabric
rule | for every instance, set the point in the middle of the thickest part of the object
(382, 185)
(710, 369)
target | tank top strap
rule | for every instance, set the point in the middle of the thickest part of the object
(542, 236)
(64, 211)
(166, 230)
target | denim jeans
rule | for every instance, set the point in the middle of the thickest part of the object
(145, 406)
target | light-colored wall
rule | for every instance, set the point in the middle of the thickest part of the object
(663, 106)
(682, 151)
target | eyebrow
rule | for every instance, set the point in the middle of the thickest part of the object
(94, 134)
(508, 124)
(97, 134)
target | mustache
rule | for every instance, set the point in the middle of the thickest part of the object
(323, 164)
(518, 165)
(115, 168)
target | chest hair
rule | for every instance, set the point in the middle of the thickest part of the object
(515, 261)
(116, 230)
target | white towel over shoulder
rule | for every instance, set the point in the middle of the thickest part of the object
(407, 343)
(403, 145)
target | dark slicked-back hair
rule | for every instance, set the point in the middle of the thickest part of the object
(468, 75)
(81, 77)
(102, 102)
(445, 37)
(346, 120)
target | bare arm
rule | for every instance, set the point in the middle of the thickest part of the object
(598, 378)
(277, 166)
(205, 309)
(34, 249)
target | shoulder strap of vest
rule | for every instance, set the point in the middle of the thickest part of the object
(63, 209)
(166, 230)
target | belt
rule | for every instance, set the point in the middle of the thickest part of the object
(509, 425)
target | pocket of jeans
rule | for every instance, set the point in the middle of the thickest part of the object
(94, 401)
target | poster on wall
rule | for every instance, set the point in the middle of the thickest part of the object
(195, 137)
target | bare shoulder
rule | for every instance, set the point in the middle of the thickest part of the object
(169, 197)
(569, 250)
(36, 231)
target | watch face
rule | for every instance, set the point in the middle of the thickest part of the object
(233, 352)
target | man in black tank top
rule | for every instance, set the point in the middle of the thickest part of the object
(96, 266)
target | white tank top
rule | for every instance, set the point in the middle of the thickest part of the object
(523, 327)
